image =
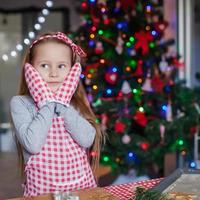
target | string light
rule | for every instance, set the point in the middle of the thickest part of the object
(84, 5)
(37, 27)
(102, 61)
(164, 108)
(128, 44)
(114, 69)
(193, 164)
(95, 87)
(89, 76)
(26, 41)
(5, 57)
(94, 28)
(106, 158)
(131, 39)
(128, 69)
(139, 80)
(13, 53)
(141, 109)
(109, 91)
(100, 32)
(31, 34)
(135, 91)
(92, 36)
(49, 4)
(45, 12)
(19, 47)
(41, 19)
(82, 76)
(91, 43)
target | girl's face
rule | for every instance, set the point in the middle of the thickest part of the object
(53, 62)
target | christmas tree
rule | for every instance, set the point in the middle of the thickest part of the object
(131, 79)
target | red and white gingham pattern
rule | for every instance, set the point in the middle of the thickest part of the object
(42, 94)
(38, 88)
(68, 87)
(125, 191)
(61, 36)
(61, 165)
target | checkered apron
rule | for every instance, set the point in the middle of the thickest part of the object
(61, 165)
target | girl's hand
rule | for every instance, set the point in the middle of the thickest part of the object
(38, 88)
(68, 87)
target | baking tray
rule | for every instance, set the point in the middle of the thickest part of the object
(181, 181)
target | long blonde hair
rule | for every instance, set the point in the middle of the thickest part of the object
(79, 101)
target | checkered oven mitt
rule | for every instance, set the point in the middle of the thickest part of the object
(68, 87)
(38, 88)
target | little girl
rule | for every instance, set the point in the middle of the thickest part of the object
(54, 124)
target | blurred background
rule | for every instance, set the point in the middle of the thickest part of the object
(147, 54)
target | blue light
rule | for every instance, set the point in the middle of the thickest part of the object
(116, 10)
(130, 50)
(130, 154)
(92, 1)
(148, 8)
(114, 69)
(91, 43)
(164, 107)
(109, 91)
(119, 25)
(153, 33)
(193, 164)
(82, 76)
(122, 25)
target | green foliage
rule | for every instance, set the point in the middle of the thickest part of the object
(111, 34)
(143, 194)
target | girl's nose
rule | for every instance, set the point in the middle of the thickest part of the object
(53, 72)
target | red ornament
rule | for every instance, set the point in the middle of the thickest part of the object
(93, 154)
(193, 130)
(106, 21)
(111, 77)
(144, 145)
(178, 63)
(142, 41)
(84, 5)
(120, 94)
(138, 71)
(140, 118)
(99, 48)
(119, 127)
(161, 26)
(157, 83)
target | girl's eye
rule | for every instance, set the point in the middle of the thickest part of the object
(44, 65)
(61, 66)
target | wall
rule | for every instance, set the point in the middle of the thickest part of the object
(23, 4)
(196, 42)
(10, 33)
(12, 25)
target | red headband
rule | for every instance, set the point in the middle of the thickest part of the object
(61, 36)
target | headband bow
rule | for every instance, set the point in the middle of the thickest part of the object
(61, 36)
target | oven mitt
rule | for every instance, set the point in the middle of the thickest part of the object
(38, 88)
(68, 87)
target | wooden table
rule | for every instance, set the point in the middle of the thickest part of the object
(115, 192)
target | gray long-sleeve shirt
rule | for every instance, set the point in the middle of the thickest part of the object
(32, 125)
